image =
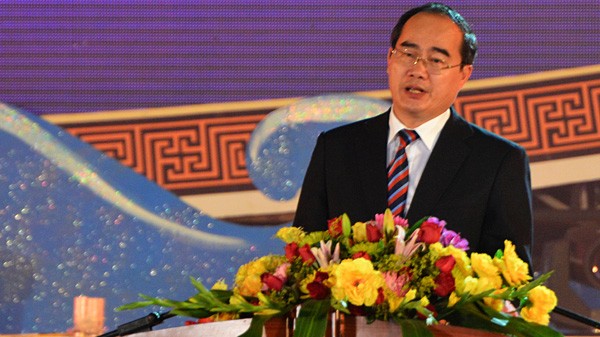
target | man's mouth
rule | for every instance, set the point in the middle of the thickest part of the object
(415, 90)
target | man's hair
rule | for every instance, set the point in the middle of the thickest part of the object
(468, 50)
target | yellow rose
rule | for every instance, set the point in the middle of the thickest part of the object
(488, 283)
(256, 267)
(488, 273)
(290, 234)
(483, 265)
(495, 303)
(249, 286)
(359, 232)
(541, 301)
(535, 315)
(247, 279)
(357, 282)
(542, 297)
(514, 270)
(467, 286)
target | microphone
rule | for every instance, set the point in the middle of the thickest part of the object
(576, 317)
(141, 324)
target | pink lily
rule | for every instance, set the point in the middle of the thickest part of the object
(406, 249)
(323, 254)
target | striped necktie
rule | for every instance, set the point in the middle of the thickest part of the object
(398, 173)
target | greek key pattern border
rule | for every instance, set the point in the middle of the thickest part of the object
(187, 156)
(550, 121)
(206, 153)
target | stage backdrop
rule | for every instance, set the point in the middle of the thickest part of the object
(181, 92)
(61, 56)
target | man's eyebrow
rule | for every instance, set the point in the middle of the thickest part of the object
(441, 51)
(408, 44)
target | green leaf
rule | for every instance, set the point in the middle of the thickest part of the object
(414, 328)
(346, 225)
(256, 326)
(484, 318)
(135, 305)
(522, 291)
(195, 313)
(312, 319)
(222, 295)
(415, 226)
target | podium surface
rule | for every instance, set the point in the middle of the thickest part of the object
(235, 328)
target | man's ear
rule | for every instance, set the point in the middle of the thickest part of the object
(466, 72)
(389, 59)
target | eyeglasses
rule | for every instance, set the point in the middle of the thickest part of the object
(434, 65)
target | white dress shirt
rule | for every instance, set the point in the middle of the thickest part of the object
(418, 151)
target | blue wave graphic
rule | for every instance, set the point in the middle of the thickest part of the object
(76, 222)
(281, 145)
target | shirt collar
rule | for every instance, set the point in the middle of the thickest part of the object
(428, 131)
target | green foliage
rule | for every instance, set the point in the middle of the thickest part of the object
(401, 289)
(312, 319)
(414, 328)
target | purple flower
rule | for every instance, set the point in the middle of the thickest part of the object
(438, 222)
(450, 237)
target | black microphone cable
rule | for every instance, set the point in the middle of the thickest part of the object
(577, 317)
(141, 324)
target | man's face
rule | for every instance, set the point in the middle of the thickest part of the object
(417, 95)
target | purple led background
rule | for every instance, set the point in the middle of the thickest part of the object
(78, 56)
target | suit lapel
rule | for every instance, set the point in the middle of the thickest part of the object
(444, 162)
(371, 157)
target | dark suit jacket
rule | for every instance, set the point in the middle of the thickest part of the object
(476, 181)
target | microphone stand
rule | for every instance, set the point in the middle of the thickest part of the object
(577, 317)
(141, 324)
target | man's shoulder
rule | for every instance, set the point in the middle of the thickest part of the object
(378, 121)
(485, 137)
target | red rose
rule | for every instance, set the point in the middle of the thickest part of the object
(306, 255)
(444, 284)
(271, 281)
(291, 251)
(321, 276)
(373, 233)
(335, 227)
(318, 290)
(364, 255)
(430, 232)
(445, 263)
(380, 296)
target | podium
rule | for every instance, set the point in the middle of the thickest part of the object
(349, 327)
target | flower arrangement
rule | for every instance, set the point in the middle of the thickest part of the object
(382, 269)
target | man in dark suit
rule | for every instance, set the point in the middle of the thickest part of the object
(476, 181)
